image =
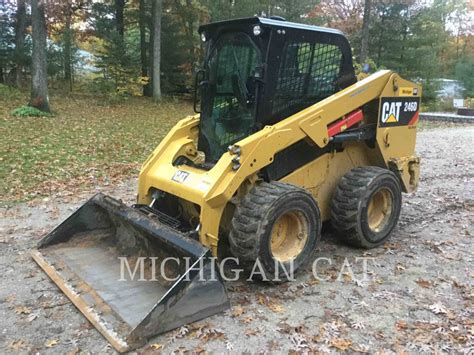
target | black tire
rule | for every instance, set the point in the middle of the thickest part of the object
(350, 206)
(252, 228)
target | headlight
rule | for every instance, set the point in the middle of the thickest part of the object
(203, 37)
(257, 30)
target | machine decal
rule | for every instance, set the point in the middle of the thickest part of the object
(405, 91)
(180, 176)
(398, 111)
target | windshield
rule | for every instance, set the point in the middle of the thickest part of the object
(228, 98)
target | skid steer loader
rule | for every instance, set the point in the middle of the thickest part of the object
(285, 139)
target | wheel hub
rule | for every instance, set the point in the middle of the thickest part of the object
(380, 209)
(289, 236)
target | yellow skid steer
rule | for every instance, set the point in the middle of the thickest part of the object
(285, 138)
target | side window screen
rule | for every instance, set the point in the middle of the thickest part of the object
(308, 73)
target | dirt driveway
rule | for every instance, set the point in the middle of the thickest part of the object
(418, 296)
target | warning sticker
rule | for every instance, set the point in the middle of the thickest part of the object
(407, 91)
(398, 111)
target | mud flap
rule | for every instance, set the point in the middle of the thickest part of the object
(94, 254)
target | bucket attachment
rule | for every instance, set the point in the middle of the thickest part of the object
(108, 259)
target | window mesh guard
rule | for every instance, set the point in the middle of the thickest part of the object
(308, 73)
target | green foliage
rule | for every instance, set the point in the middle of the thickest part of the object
(9, 92)
(358, 67)
(176, 62)
(116, 56)
(28, 111)
(465, 74)
(291, 10)
(469, 102)
(100, 85)
(437, 105)
(418, 39)
(406, 39)
(430, 87)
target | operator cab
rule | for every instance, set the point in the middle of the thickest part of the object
(258, 71)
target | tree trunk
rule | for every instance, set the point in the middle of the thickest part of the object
(20, 27)
(39, 77)
(156, 82)
(150, 52)
(364, 49)
(143, 45)
(67, 48)
(2, 80)
(119, 9)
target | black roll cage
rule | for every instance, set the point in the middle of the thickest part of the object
(271, 41)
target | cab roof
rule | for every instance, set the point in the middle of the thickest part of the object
(274, 22)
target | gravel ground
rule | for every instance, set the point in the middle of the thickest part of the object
(418, 296)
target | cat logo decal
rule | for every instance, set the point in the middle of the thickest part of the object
(398, 111)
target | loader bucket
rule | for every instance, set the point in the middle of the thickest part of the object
(87, 257)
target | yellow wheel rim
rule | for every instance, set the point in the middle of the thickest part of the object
(289, 236)
(379, 210)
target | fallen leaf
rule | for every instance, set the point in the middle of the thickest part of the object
(275, 307)
(51, 343)
(341, 344)
(252, 332)
(400, 267)
(156, 346)
(199, 350)
(229, 346)
(181, 350)
(22, 310)
(401, 325)
(438, 308)
(237, 311)
(31, 317)
(347, 277)
(207, 332)
(424, 283)
(299, 341)
(247, 320)
(358, 325)
(261, 299)
(458, 284)
(17, 345)
(360, 348)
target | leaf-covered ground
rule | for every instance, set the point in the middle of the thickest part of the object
(87, 142)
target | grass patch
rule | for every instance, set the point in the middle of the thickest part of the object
(87, 142)
(28, 111)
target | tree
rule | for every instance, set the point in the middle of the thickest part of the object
(20, 26)
(39, 79)
(6, 40)
(142, 21)
(364, 48)
(119, 17)
(68, 38)
(61, 17)
(343, 15)
(157, 6)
